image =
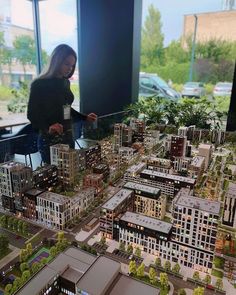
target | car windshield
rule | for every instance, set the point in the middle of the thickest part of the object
(160, 82)
(191, 84)
(224, 85)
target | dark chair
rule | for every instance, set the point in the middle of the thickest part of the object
(23, 142)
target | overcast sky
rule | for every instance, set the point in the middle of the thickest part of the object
(173, 11)
(56, 13)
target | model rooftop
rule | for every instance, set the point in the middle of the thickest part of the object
(13, 165)
(136, 168)
(232, 189)
(184, 200)
(204, 146)
(53, 197)
(197, 161)
(142, 187)
(169, 176)
(117, 199)
(147, 222)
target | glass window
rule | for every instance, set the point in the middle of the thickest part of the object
(59, 25)
(17, 55)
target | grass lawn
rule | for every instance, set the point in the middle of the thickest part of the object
(217, 273)
(219, 262)
(5, 253)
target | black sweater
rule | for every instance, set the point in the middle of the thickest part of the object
(46, 101)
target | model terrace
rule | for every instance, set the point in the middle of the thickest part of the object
(148, 226)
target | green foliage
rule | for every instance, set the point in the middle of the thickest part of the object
(164, 280)
(103, 240)
(18, 104)
(152, 39)
(181, 292)
(8, 289)
(207, 279)
(140, 270)
(158, 261)
(132, 267)
(176, 268)
(24, 266)
(152, 275)
(129, 249)
(198, 291)
(25, 276)
(137, 252)
(122, 246)
(196, 276)
(219, 284)
(167, 265)
(5, 93)
(4, 244)
(53, 251)
(35, 267)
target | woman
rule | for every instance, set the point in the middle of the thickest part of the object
(49, 107)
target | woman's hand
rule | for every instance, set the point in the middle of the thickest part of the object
(91, 117)
(55, 128)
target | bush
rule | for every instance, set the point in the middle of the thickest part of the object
(217, 273)
(5, 93)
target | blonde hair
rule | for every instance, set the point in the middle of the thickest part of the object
(59, 54)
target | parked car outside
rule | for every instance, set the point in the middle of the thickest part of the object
(193, 89)
(152, 84)
(223, 89)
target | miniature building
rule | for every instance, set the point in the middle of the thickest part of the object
(93, 180)
(119, 203)
(195, 222)
(159, 164)
(126, 154)
(53, 210)
(56, 211)
(138, 127)
(134, 170)
(151, 139)
(102, 169)
(169, 184)
(181, 164)
(68, 161)
(229, 213)
(122, 136)
(178, 146)
(45, 177)
(205, 150)
(93, 156)
(77, 272)
(196, 168)
(143, 231)
(148, 200)
(230, 268)
(15, 179)
(183, 131)
(30, 203)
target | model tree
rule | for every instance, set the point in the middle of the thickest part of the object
(132, 267)
(207, 279)
(103, 241)
(152, 275)
(198, 291)
(137, 252)
(219, 284)
(24, 266)
(140, 270)
(167, 266)
(181, 292)
(196, 276)
(164, 280)
(16, 284)
(29, 248)
(158, 261)
(176, 268)
(25, 276)
(35, 267)
(122, 246)
(129, 249)
(4, 243)
(8, 289)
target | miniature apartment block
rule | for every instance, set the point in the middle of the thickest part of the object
(159, 164)
(196, 168)
(45, 177)
(30, 203)
(205, 150)
(119, 203)
(148, 200)
(15, 179)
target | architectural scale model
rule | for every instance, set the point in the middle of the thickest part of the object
(166, 197)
